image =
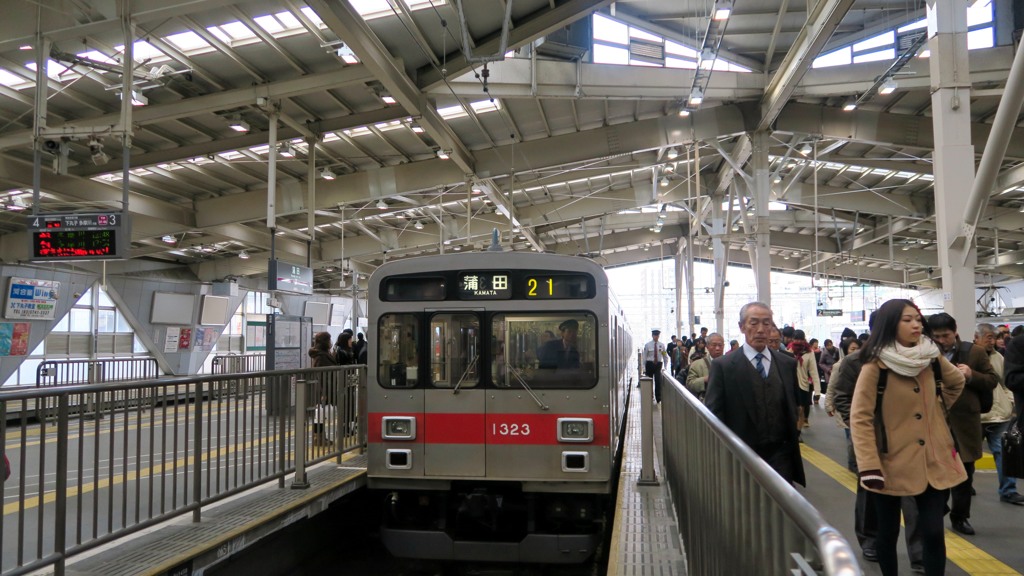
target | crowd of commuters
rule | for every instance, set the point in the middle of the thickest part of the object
(344, 352)
(914, 400)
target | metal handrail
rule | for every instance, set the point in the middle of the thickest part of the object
(125, 466)
(736, 514)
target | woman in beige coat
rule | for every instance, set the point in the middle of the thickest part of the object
(907, 450)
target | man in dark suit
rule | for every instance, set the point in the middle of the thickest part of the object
(561, 353)
(965, 413)
(753, 391)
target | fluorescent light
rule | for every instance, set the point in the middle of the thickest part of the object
(418, 225)
(388, 99)
(26, 47)
(683, 113)
(326, 174)
(888, 87)
(239, 125)
(382, 205)
(672, 153)
(168, 239)
(287, 151)
(696, 97)
(416, 128)
(664, 181)
(243, 255)
(442, 154)
(850, 105)
(722, 13)
(806, 149)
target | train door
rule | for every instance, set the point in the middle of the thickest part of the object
(454, 399)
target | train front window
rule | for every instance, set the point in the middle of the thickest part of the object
(455, 350)
(546, 351)
(398, 350)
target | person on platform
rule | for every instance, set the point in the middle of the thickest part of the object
(697, 376)
(561, 353)
(903, 445)
(753, 392)
(320, 352)
(965, 413)
(998, 420)
(654, 358)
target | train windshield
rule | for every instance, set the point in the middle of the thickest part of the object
(546, 351)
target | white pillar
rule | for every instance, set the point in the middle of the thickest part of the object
(761, 195)
(720, 254)
(953, 161)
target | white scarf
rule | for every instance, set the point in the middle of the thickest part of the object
(909, 361)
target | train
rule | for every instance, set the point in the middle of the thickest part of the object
(497, 390)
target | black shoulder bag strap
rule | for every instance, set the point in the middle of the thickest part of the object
(937, 371)
(881, 440)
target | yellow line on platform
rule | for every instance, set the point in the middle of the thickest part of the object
(967, 556)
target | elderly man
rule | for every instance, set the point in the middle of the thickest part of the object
(753, 391)
(697, 376)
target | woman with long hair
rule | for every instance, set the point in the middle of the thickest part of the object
(901, 439)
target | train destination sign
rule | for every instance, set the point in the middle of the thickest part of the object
(830, 312)
(76, 236)
(484, 286)
(289, 277)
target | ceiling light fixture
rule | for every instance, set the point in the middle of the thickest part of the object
(888, 87)
(168, 239)
(388, 99)
(239, 125)
(696, 97)
(672, 153)
(707, 59)
(416, 128)
(139, 99)
(381, 204)
(664, 181)
(777, 178)
(326, 174)
(99, 157)
(1021, 209)
(722, 13)
(806, 149)
(683, 113)
(400, 215)
(418, 225)
(850, 105)
(287, 151)
(443, 154)
(243, 255)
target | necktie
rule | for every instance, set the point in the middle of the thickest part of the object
(760, 366)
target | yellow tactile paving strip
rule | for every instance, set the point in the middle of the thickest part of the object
(967, 556)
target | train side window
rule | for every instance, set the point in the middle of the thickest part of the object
(398, 350)
(551, 351)
(455, 350)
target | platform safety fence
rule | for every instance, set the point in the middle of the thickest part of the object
(101, 468)
(89, 371)
(736, 515)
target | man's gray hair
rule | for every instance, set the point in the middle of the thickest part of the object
(746, 307)
(984, 329)
(715, 335)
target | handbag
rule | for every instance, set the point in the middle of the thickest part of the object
(1013, 452)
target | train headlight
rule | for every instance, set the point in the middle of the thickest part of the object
(398, 428)
(575, 430)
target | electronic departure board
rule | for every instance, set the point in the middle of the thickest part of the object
(76, 236)
(559, 286)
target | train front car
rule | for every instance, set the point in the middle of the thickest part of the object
(498, 384)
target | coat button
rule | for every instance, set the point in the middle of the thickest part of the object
(920, 442)
(917, 388)
(918, 416)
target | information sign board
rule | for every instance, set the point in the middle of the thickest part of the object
(76, 236)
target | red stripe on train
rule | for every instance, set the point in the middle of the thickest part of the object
(498, 429)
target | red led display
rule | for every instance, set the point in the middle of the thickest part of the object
(74, 244)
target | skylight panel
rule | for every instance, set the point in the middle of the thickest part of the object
(385, 126)
(450, 112)
(980, 13)
(679, 63)
(883, 39)
(288, 20)
(261, 149)
(142, 50)
(331, 137)
(609, 30)
(200, 160)
(482, 106)
(187, 41)
(840, 57)
(140, 172)
(370, 9)
(220, 34)
(170, 166)
(360, 131)
(97, 56)
(312, 15)
(269, 23)
(231, 155)
(610, 55)
(678, 49)
(642, 35)
(9, 79)
(238, 31)
(53, 69)
(889, 54)
(922, 23)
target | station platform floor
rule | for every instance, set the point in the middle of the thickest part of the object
(996, 549)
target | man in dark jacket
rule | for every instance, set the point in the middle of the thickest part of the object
(965, 414)
(753, 392)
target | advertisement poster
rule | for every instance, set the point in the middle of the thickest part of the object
(31, 299)
(206, 338)
(14, 338)
(185, 339)
(171, 339)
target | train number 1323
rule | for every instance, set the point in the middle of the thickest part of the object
(510, 429)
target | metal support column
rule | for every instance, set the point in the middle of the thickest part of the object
(719, 251)
(954, 154)
(762, 263)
